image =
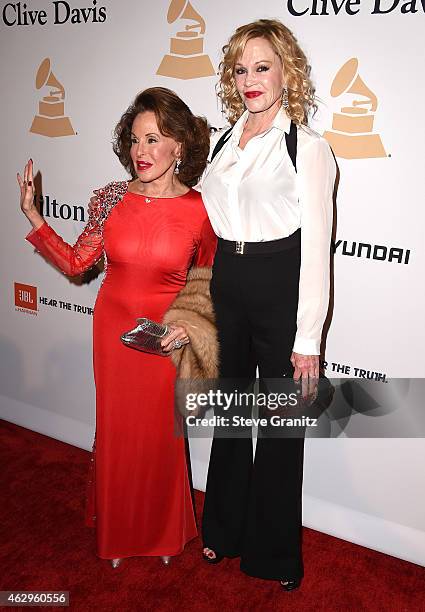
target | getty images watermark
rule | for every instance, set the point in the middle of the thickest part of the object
(227, 402)
(279, 407)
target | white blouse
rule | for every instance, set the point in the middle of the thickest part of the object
(255, 194)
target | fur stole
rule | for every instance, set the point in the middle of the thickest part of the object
(193, 308)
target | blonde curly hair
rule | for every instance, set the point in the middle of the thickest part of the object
(301, 98)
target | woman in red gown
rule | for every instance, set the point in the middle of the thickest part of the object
(151, 230)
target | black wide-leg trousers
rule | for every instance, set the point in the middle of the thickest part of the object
(253, 507)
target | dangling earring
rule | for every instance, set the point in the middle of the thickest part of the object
(177, 168)
(285, 101)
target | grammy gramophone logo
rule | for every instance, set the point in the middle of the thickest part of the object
(352, 134)
(51, 120)
(186, 59)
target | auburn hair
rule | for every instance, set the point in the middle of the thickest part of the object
(174, 119)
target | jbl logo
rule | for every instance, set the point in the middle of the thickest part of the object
(25, 296)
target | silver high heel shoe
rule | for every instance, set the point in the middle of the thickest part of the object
(115, 563)
(166, 560)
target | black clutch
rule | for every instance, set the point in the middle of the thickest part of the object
(146, 336)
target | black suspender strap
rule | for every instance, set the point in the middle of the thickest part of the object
(291, 143)
(221, 142)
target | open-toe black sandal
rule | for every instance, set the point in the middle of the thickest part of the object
(290, 585)
(213, 560)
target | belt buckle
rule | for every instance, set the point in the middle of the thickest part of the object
(239, 249)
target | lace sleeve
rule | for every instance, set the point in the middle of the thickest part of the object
(73, 260)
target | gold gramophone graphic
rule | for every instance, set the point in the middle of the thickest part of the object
(187, 59)
(351, 136)
(51, 120)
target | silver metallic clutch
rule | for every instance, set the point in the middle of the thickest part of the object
(146, 336)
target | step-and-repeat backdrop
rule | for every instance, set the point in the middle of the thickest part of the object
(69, 69)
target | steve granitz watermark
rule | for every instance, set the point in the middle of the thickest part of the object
(231, 401)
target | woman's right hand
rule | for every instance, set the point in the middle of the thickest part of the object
(27, 196)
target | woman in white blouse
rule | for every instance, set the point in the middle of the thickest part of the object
(268, 192)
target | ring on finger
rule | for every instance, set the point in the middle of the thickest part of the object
(177, 344)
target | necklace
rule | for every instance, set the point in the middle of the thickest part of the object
(149, 199)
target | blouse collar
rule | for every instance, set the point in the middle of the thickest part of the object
(281, 122)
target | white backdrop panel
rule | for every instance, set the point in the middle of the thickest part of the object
(367, 491)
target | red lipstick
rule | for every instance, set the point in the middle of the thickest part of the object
(143, 165)
(253, 94)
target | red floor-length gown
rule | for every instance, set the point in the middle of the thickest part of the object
(139, 497)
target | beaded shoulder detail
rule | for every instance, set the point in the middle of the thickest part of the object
(103, 202)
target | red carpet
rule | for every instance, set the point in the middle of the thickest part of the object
(44, 546)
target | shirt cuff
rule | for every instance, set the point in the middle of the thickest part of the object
(306, 346)
(35, 234)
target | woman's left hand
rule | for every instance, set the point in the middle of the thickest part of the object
(176, 339)
(306, 367)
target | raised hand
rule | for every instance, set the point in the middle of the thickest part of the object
(26, 186)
